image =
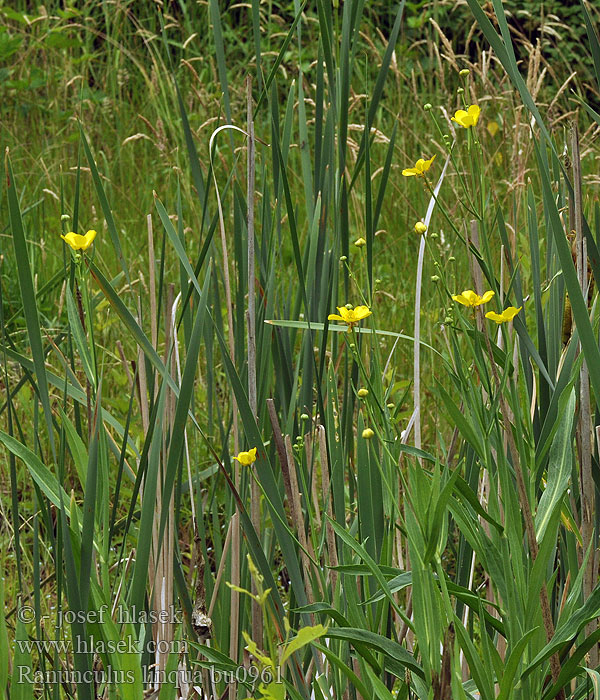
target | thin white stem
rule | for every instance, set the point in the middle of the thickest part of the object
(417, 333)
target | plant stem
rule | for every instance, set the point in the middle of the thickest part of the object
(525, 508)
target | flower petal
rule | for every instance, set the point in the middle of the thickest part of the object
(493, 316)
(89, 239)
(361, 312)
(486, 297)
(474, 112)
(472, 297)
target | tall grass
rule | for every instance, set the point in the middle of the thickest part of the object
(420, 519)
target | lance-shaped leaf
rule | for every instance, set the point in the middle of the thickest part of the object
(559, 467)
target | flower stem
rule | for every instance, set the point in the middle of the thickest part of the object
(525, 508)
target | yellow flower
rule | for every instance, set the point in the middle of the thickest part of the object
(468, 118)
(506, 315)
(493, 128)
(421, 167)
(470, 298)
(79, 242)
(350, 316)
(420, 228)
(247, 458)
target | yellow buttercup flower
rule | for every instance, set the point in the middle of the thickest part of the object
(421, 167)
(79, 242)
(468, 118)
(247, 458)
(470, 298)
(350, 316)
(507, 315)
(493, 128)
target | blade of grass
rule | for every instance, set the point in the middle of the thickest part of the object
(28, 298)
(106, 210)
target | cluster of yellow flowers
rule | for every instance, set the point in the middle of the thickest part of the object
(466, 118)
(472, 299)
(351, 316)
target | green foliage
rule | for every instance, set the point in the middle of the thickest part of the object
(419, 519)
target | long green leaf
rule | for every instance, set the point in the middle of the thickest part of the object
(183, 405)
(379, 643)
(79, 337)
(42, 476)
(568, 630)
(28, 298)
(560, 463)
(579, 308)
(106, 210)
(21, 686)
